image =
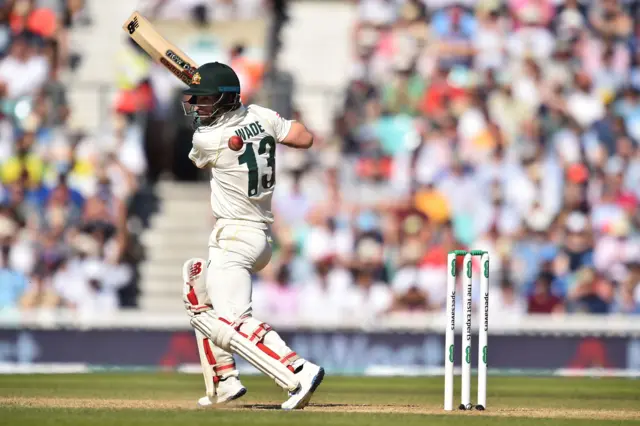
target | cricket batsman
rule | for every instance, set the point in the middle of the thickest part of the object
(238, 144)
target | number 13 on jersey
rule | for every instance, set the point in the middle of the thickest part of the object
(257, 174)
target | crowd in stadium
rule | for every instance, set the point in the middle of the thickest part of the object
(511, 127)
(63, 195)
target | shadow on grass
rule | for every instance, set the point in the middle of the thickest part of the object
(277, 406)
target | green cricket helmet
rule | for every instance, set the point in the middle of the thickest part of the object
(215, 80)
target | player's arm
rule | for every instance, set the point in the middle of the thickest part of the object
(203, 152)
(198, 159)
(287, 132)
(298, 136)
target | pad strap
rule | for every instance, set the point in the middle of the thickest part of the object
(219, 369)
(259, 333)
(289, 359)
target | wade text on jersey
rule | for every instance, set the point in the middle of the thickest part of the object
(250, 130)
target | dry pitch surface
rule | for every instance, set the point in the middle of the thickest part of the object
(168, 399)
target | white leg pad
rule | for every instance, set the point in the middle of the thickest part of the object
(207, 369)
(225, 336)
(259, 332)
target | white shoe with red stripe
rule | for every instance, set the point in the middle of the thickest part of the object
(310, 377)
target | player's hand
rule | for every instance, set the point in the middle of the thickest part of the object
(193, 272)
(195, 309)
(191, 303)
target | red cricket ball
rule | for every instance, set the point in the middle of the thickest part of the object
(235, 143)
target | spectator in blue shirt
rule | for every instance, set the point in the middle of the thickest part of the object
(12, 283)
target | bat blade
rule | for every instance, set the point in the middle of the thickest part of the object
(160, 50)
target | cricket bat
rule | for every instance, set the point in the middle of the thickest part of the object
(160, 50)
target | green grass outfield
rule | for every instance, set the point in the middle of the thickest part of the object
(157, 399)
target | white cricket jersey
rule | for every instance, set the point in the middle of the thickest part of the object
(242, 182)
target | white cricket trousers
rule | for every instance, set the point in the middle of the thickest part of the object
(237, 249)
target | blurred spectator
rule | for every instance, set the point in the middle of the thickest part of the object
(105, 210)
(323, 297)
(40, 294)
(403, 93)
(276, 295)
(24, 70)
(25, 163)
(609, 19)
(52, 100)
(454, 28)
(13, 283)
(28, 16)
(590, 292)
(439, 94)
(248, 69)
(367, 291)
(629, 298)
(505, 303)
(87, 282)
(542, 301)
(571, 15)
(489, 40)
(295, 205)
(408, 285)
(62, 209)
(583, 103)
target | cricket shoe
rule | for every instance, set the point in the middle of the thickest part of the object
(310, 377)
(205, 401)
(227, 390)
